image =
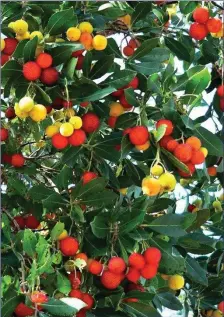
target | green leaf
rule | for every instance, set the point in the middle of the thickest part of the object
(11, 69)
(140, 310)
(134, 172)
(87, 63)
(30, 49)
(101, 67)
(107, 152)
(131, 220)
(154, 84)
(57, 230)
(209, 51)
(144, 49)
(63, 284)
(64, 178)
(54, 201)
(18, 53)
(94, 186)
(58, 308)
(209, 140)
(69, 69)
(198, 82)
(127, 120)
(141, 10)
(70, 155)
(175, 161)
(29, 242)
(40, 192)
(157, 55)
(9, 306)
(187, 6)
(100, 227)
(112, 48)
(160, 132)
(120, 79)
(61, 54)
(97, 95)
(169, 300)
(42, 95)
(131, 97)
(146, 68)
(170, 225)
(126, 146)
(195, 272)
(201, 217)
(161, 204)
(60, 21)
(178, 48)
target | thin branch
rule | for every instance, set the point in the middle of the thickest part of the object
(217, 5)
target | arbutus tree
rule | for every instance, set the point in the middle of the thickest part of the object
(111, 186)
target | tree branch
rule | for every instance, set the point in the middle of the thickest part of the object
(217, 5)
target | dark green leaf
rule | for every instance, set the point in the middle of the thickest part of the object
(58, 308)
(40, 192)
(140, 310)
(141, 10)
(62, 53)
(100, 227)
(170, 225)
(70, 156)
(127, 120)
(30, 49)
(209, 140)
(10, 304)
(29, 242)
(179, 49)
(60, 21)
(175, 161)
(120, 79)
(145, 48)
(169, 300)
(195, 272)
(131, 97)
(101, 67)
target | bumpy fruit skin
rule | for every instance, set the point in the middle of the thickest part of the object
(139, 135)
(164, 141)
(151, 186)
(69, 246)
(133, 275)
(26, 104)
(95, 267)
(81, 256)
(168, 124)
(77, 138)
(75, 279)
(99, 42)
(136, 260)
(90, 122)
(76, 293)
(88, 176)
(191, 168)
(88, 299)
(59, 141)
(66, 129)
(20, 221)
(116, 109)
(4, 59)
(17, 160)
(201, 15)
(110, 280)
(31, 71)
(157, 170)
(10, 46)
(44, 60)
(51, 130)
(198, 31)
(152, 256)
(183, 152)
(221, 307)
(171, 145)
(38, 113)
(62, 235)
(167, 182)
(86, 40)
(10, 113)
(49, 76)
(143, 147)
(197, 157)
(128, 51)
(31, 222)
(38, 297)
(20, 27)
(38, 34)
(22, 310)
(220, 91)
(176, 282)
(133, 43)
(194, 142)
(149, 271)
(4, 134)
(112, 122)
(116, 265)
(214, 25)
(73, 34)
(212, 171)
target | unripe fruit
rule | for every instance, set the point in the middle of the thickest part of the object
(212, 171)
(133, 275)
(26, 104)
(149, 271)
(197, 157)
(51, 130)
(81, 256)
(59, 141)
(17, 160)
(165, 277)
(4, 134)
(157, 170)
(214, 25)
(62, 235)
(201, 15)
(204, 151)
(116, 265)
(110, 280)
(152, 256)
(128, 51)
(76, 293)
(198, 31)
(136, 260)
(69, 246)
(183, 152)
(90, 122)
(38, 297)
(44, 60)
(49, 76)
(73, 34)
(38, 113)
(168, 124)
(86, 40)
(2, 44)
(217, 205)
(171, 145)
(95, 267)
(69, 113)
(126, 19)
(31, 222)
(139, 135)
(88, 176)
(77, 138)
(66, 129)
(143, 147)
(25, 36)
(191, 168)
(86, 27)
(10, 113)
(163, 237)
(116, 109)
(176, 282)
(20, 114)
(22, 310)
(112, 122)
(99, 42)
(167, 182)
(88, 299)
(76, 122)
(31, 71)
(20, 27)
(220, 91)
(151, 186)
(38, 34)
(10, 46)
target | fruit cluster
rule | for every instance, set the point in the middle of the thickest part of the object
(131, 46)
(17, 160)
(204, 24)
(20, 27)
(28, 221)
(27, 108)
(152, 185)
(8, 46)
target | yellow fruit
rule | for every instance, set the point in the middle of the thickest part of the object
(176, 282)
(76, 122)
(157, 170)
(217, 313)
(126, 19)
(69, 112)
(11, 25)
(217, 205)
(51, 130)
(26, 104)
(150, 186)
(20, 27)
(59, 40)
(123, 191)
(209, 313)
(38, 113)
(171, 11)
(73, 34)
(25, 36)
(167, 181)
(38, 34)
(116, 109)
(99, 42)
(66, 129)
(39, 50)
(165, 277)
(86, 27)
(143, 147)
(63, 235)
(2, 44)
(204, 151)
(20, 114)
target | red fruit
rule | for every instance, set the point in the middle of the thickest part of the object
(128, 51)
(164, 141)
(116, 265)
(221, 307)
(171, 145)
(149, 271)
(117, 93)
(67, 103)
(110, 280)
(69, 246)
(88, 176)
(17, 160)
(198, 31)
(77, 138)
(20, 221)
(167, 123)
(10, 113)
(57, 103)
(135, 287)
(139, 135)
(10, 46)
(81, 313)
(44, 60)
(90, 122)
(130, 300)
(220, 91)
(95, 267)
(84, 104)
(197, 157)
(4, 134)
(134, 83)
(31, 71)
(191, 168)
(59, 141)
(38, 297)
(4, 59)
(194, 142)
(31, 222)
(124, 102)
(152, 256)
(190, 207)
(183, 152)
(136, 260)
(76, 293)
(112, 121)
(133, 275)
(201, 15)
(77, 53)
(126, 131)
(88, 299)
(7, 158)
(214, 25)
(222, 104)
(79, 62)
(49, 109)
(49, 76)
(22, 310)
(75, 279)
(133, 43)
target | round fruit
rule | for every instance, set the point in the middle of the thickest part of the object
(143, 147)
(134, 83)
(51, 130)
(221, 307)
(76, 293)
(88, 176)
(124, 102)
(167, 181)
(149, 271)
(76, 122)
(197, 157)
(151, 186)
(66, 129)
(130, 300)
(59, 141)
(44, 60)
(217, 205)
(110, 280)
(95, 267)
(69, 246)
(73, 34)
(77, 138)
(38, 113)
(86, 40)
(217, 313)
(164, 141)
(81, 313)
(139, 135)
(2, 44)
(157, 170)
(90, 122)
(20, 114)
(38, 34)
(133, 43)
(183, 152)
(26, 104)
(99, 42)
(31, 222)
(67, 103)
(10, 113)
(176, 282)
(25, 36)
(201, 15)
(4, 134)
(116, 265)
(191, 168)
(116, 109)
(49, 76)
(168, 124)
(17, 160)
(88, 299)
(220, 91)
(86, 27)
(214, 25)
(172, 145)
(31, 71)
(20, 221)
(152, 256)
(204, 151)
(62, 235)
(198, 31)
(4, 59)
(10, 46)
(194, 142)
(128, 51)
(212, 171)
(20, 27)
(112, 122)
(133, 275)
(123, 191)
(136, 260)
(38, 297)
(22, 310)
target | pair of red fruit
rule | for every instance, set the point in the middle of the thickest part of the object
(130, 48)
(29, 221)
(17, 160)
(10, 46)
(36, 297)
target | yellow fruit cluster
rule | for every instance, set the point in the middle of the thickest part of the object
(27, 108)
(20, 27)
(83, 34)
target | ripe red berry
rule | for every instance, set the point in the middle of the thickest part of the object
(4, 59)
(59, 141)
(139, 135)
(194, 142)
(77, 138)
(191, 168)
(164, 141)
(183, 152)
(44, 60)
(133, 275)
(116, 265)
(84, 104)
(214, 25)
(10, 46)
(77, 53)
(171, 145)
(38, 297)
(133, 43)
(22, 310)
(134, 83)
(49, 109)
(198, 31)
(79, 62)
(220, 91)
(31, 71)
(167, 123)
(88, 176)
(90, 122)
(110, 280)
(17, 160)
(124, 102)
(128, 51)
(69, 246)
(112, 121)
(149, 271)
(76, 293)
(31, 222)
(95, 267)
(81, 313)
(117, 93)
(197, 157)
(88, 299)
(4, 134)
(152, 256)
(136, 260)
(57, 103)
(10, 113)
(201, 15)
(191, 207)
(49, 76)
(20, 221)
(221, 307)
(67, 103)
